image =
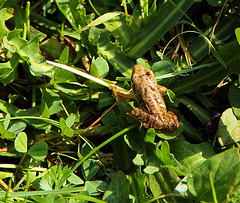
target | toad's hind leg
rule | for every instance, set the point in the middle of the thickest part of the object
(173, 120)
(148, 120)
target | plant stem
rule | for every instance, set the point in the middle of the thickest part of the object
(102, 145)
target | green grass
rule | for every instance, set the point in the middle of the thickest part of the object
(65, 80)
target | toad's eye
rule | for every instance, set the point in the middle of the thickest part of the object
(148, 73)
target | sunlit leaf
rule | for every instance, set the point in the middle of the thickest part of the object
(20, 142)
(65, 129)
(224, 169)
(229, 128)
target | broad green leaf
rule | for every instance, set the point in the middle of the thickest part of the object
(101, 19)
(237, 32)
(191, 155)
(111, 51)
(30, 52)
(74, 179)
(215, 2)
(20, 143)
(15, 126)
(44, 110)
(162, 67)
(63, 76)
(229, 128)
(99, 68)
(53, 101)
(164, 153)
(64, 55)
(5, 174)
(96, 187)
(65, 129)
(39, 150)
(53, 48)
(86, 148)
(150, 136)
(137, 186)
(105, 99)
(3, 28)
(167, 178)
(90, 168)
(110, 118)
(120, 27)
(9, 108)
(169, 135)
(70, 120)
(74, 13)
(138, 160)
(234, 98)
(9, 70)
(122, 154)
(143, 62)
(6, 134)
(118, 189)
(223, 169)
(6, 123)
(151, 169)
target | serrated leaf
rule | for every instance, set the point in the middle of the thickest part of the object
(20, 143)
